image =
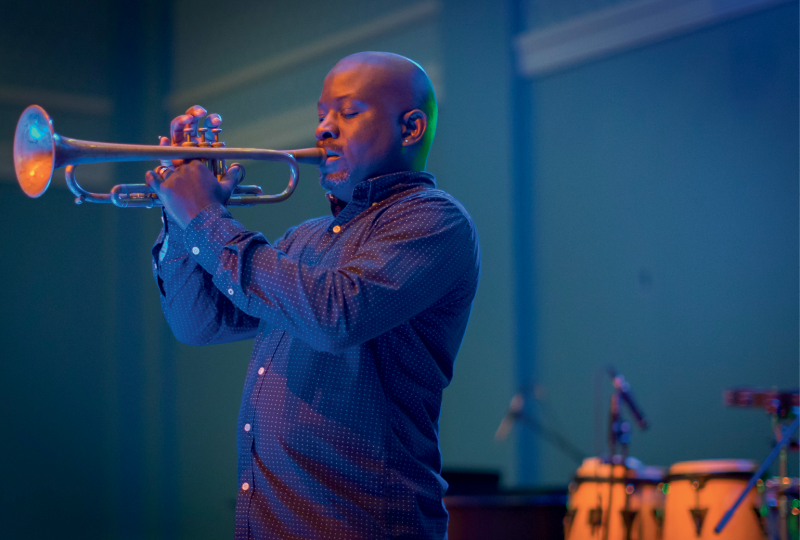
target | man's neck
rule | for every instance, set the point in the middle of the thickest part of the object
(343, 193)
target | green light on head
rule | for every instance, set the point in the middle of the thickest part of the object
(35, 133)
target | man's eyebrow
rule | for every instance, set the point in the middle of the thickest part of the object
(339, 99)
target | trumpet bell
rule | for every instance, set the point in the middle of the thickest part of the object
(34, 151)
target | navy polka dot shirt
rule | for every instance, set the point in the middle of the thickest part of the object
(357, 319)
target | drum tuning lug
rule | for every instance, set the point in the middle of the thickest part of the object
(628, 517)
(658, 516)
(595, 518)
(761, 521)
(698, 516)
(569, 517)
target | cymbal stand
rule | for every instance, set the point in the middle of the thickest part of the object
(780, 412)
(785, 439)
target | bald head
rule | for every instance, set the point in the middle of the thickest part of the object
(377, 114)
(402, 81)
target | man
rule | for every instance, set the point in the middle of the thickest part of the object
(357, 317)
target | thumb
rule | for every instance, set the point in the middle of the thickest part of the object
(153, 180)
(232, 178)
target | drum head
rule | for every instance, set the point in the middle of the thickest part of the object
(594, 468)
(713, 466)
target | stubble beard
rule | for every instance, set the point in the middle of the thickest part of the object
(334, 179)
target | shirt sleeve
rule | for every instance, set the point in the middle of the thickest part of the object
(196, 311)
(414, 256)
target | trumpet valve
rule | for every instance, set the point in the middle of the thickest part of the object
(187, 136)
(204, 140)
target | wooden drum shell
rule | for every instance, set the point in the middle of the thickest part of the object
(700, 492)
(591, 490)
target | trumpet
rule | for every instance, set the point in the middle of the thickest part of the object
(39, 151)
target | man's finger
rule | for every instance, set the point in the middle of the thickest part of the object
(177, 126)
(191, 118)
(164, 141)
(213, 121)
(197, 111)
(232, 178)
(164, 172)
(153, 180)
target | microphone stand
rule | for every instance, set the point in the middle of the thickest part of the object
(516, 413)
(619, 436)
(552, 437)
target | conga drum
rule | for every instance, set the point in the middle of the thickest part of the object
(699, 494)
(615, 503)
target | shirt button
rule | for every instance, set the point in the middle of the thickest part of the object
(195, 250)
(245, 486)
(261, 371)
(230, 291)
(247, 427)
(337, 229)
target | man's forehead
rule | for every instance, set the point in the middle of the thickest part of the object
(355, 80)
(370, 81)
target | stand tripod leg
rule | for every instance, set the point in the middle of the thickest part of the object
(785, 439)
(783, 503)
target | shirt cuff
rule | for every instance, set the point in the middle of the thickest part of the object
(215, 241)
(207, 235)
(169, 245)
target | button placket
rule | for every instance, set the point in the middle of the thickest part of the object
(247, 477)
(247, 474)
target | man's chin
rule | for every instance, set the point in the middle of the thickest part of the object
(334, 180)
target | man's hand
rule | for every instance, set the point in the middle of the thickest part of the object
(190, 188)
(187, 186)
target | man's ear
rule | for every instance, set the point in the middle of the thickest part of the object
(413, 127)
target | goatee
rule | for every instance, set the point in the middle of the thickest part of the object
(334, 179)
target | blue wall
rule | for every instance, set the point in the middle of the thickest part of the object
(666, 237)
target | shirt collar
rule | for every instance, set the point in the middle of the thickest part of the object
(376, 189)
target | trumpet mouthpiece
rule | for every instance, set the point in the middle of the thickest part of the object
(309, 156)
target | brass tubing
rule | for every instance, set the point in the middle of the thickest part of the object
(39, 150)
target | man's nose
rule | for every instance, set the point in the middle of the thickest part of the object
(326, 130)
